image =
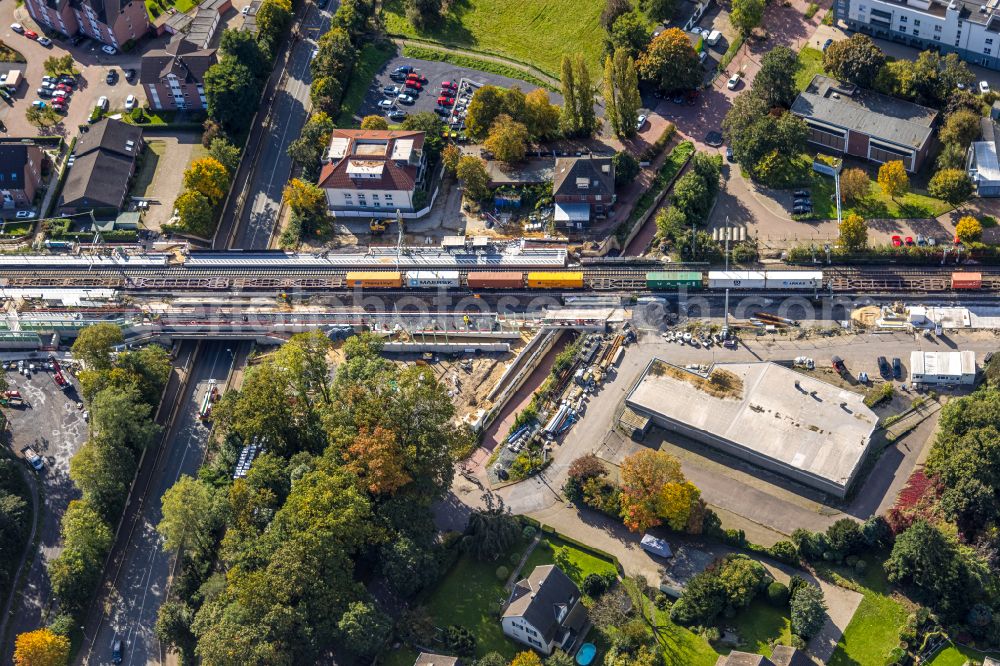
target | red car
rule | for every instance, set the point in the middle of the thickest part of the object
(450, 85)
(446, 101)
(908, 240)
(414, 85)
(416, 77)
(31, 34)
(63, 86)
(897, 241)
(58, 106)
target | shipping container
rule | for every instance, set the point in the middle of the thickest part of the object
(793, 279)
(496, 280)
(736, 279)
(425, 279)
(673, 279)
(966, 280)
(555, 280)
(374, 279)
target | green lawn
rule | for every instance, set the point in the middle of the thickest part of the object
(537, 32)
(156, 7)
(373, 57)
(955, 655)
(575, 562)
(150, 158)
(874, 629)
(759, 624)
(810, 64)
(404, 656)
(433, 54)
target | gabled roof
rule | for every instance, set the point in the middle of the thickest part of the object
(545, 599)
(587, 175)
(98, 179)
(179, 57)
(866, 112)
(431, 659)
(387, 156)
(14, 164)
(110, 135)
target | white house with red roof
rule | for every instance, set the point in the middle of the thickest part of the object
(374, 173)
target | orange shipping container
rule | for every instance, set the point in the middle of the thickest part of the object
(966, 280)
(374, 279)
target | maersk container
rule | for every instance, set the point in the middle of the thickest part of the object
(495, 280)
(736, 279)
(431, 279)
(793, 279)
(673, 279)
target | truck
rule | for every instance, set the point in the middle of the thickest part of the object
(11, 399)
(32, 457)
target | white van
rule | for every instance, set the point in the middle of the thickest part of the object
(102, 103)
(713, 37)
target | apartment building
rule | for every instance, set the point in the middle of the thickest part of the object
(20, 173)
(970, 28)
(583, 188)
(112, 22)
(373, 173)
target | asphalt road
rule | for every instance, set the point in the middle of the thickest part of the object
(53, 426)
(255, 210)
(141, 573)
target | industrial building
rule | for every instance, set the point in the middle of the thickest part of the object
(953, 367)
(766, 414)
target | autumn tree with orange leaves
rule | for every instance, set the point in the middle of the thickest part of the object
(654, 491)
(41, 647)
(378, 461)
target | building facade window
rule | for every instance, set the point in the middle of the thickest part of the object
(829, 138)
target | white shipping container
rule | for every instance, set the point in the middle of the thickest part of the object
(794, 279)
(736, 279)
(432, 279)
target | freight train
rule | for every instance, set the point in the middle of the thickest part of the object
(655, 280)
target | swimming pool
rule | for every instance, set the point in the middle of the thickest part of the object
(586, 654)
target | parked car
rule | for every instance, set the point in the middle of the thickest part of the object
(416, 77)
(863, 377)
(112, 77)
(386, 103)
(391, 90)
(441, 111)
(729, 154)
(734, 81)
(414, 85)
(883, 367)
(17, 27)
(44, 92)
(450, 85)
(908, 240)
(897, 241)
(640, 121)
(67, 80)
(802, 210)
(984, 87)
(102, 103)
(446, 101)
(60, 94)
(802, 194)
(110, 50)
(245, 10)
(897, 368)
(59, 105)
(130, 102)
(130, 75)
(25, 214)
(31, 34)
(38, 104)
(403, 69)
(398, 76)
(45, 41)
(406, 99)
(838, 365)
(397, 114)
(78, 39)
(63, 86)
(921, 240)
(116, 650)
(802, 202)
(827, 44)
(713, 139)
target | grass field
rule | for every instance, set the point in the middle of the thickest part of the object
(575, 562)
(373, 57)
(150, 158)
(954, 655)
(154, 7)
(874, 629)
(810, 64)
(10, 54)
(760, 624)
(537, 32)
(422, 53)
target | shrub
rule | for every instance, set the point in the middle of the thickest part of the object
(529, 532)
(594, 585)
(808, 611)
(514, 558)
(784, 551)
(662, 602)
(860, 566)
(459, 640)
(777, 594)
(502, 572)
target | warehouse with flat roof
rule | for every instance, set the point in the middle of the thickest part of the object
(951, 367)
(764, 413)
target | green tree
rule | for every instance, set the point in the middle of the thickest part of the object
(308, 149)
(853, 232)
(844, 536)
(424, 14)
(952, 185)
(493, 529)
(692, 197)
(173, 628)
(95, 344)
(86, 539)
(570, 121)
(225, 153)
(854, 60)
(273, 18)
(743, 579)
(507, 139)
(325, 93)
(621, 93)
(659, 10)
(626, 167)
(746, 15)
(306, 200)
(408, 566)
(230, 90)
(854, 184)
(42, 117)
(929, 560)
(961, 127)
(374, 123)
(671, 222)
(612, 10)
(56, 65)
(187, 515)
(893, 179)
(583, 94)
(610, 97)
(450, 156)
(775, 81)
(364, 628)
(243, 47)
(195, 213)
(432, 126)
(808, 611)
(541, 117)
(952, 156)
(472, 172)
(670, 63)
(629, 32)
(703, 599)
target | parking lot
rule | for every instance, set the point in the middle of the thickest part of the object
(53, 425)
(436, 73)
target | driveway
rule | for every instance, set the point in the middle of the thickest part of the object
(90, 61)
(161, 178)
(54, 427)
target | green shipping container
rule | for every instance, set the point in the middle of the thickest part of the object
(673, 280)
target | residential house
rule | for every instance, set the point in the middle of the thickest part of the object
(544, 611)
(105, 162)
(431, 659)
(970, 28)
(20, 174)
(113, 22)
(583, 188)
(982, 162)
(844, 118)
(374, 173)
(781, 655)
